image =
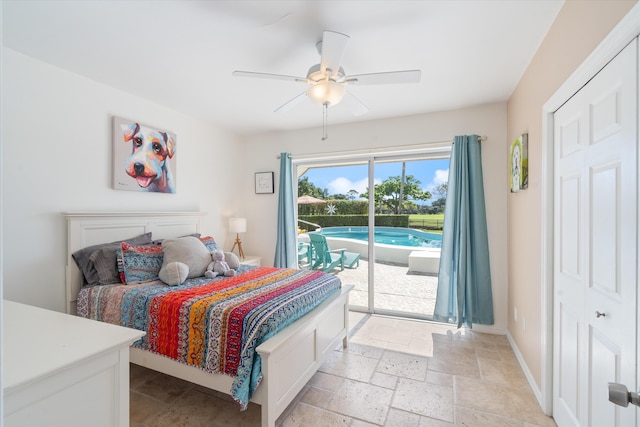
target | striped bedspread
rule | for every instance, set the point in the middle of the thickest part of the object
(213, 324)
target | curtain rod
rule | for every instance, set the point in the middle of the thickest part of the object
(481, 138)
(380, 150)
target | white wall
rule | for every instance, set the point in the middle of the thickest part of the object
(57, 141)
(489, 120)
(56, 136)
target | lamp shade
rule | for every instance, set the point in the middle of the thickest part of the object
(237, 225)
(326, 92)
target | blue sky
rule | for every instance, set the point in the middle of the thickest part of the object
(341, 179)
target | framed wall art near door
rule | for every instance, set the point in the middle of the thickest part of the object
(519, 164)
(264, 182)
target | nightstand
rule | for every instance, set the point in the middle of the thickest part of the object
(251, 260)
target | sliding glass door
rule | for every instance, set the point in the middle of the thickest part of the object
(408, 204)
(384, 215)
(331, 202)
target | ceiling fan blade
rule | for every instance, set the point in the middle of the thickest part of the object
(354, 104)
(269, 76)
(408, 76)
(333, 47)
(291, 103)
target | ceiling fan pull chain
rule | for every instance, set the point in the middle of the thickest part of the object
(324, 121)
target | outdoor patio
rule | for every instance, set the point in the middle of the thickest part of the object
(396, 289)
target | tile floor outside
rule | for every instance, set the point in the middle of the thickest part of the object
(396, 289)
(395, 372)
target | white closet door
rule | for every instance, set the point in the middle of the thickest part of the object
(595, 246)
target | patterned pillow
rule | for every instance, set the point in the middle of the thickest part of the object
(98, 262)
(209, 243)
(140, 263)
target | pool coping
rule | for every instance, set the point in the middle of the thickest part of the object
(382, 252)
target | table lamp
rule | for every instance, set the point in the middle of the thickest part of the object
(238, 225)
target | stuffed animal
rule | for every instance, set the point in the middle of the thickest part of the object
(218, 267)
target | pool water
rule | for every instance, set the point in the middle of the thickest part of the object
(396, 236)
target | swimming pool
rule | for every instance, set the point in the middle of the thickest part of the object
(396, 236)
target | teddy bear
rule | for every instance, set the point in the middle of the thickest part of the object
(218, 266)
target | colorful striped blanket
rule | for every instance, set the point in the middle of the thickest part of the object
(213, 324)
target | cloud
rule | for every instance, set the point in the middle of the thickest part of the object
(343, 185)
(439, 176)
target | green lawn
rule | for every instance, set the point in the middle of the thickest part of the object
(431, 222)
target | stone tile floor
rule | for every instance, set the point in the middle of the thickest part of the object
(395, 288)
(395, 372)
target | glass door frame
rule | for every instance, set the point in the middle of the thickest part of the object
(431, 151)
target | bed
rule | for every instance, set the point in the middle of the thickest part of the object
(288, 359)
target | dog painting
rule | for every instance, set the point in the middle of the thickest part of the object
(519, 164)
(144, 157)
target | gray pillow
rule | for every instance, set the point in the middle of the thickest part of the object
(159, 241)
(187, 250)
(174, 273)
(98, 262)
(232, 260)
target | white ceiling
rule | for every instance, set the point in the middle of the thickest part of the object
(181, 53)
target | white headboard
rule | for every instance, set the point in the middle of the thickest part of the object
(92, 228)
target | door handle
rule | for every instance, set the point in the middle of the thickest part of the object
(619, 395)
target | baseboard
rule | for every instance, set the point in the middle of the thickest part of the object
(534, 387)
(488, 329)
(532, 383)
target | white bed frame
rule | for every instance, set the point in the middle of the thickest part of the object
(289, 359)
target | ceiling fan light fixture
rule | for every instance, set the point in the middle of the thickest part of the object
(326, 92)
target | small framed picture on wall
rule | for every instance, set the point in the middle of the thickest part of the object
(519, 164)
(264, 182)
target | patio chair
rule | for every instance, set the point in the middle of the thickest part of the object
(304, 252)
(326, 259)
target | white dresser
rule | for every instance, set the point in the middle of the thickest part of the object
(63, 370)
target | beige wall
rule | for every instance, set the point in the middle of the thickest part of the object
(579, 27)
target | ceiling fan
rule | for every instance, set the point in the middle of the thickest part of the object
(327, 80)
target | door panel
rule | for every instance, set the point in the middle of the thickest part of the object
(604, 365)
(605, 242)
(595, 246)
(569, 137)
(570, 248)
(606, 114)
(568, 334)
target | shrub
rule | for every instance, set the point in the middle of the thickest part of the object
(354, 220)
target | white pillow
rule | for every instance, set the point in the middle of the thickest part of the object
(187, 250)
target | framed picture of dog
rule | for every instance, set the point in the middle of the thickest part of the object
(519, 164)
(144, 157)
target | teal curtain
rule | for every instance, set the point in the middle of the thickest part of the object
(287, 238)
(464, 281)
